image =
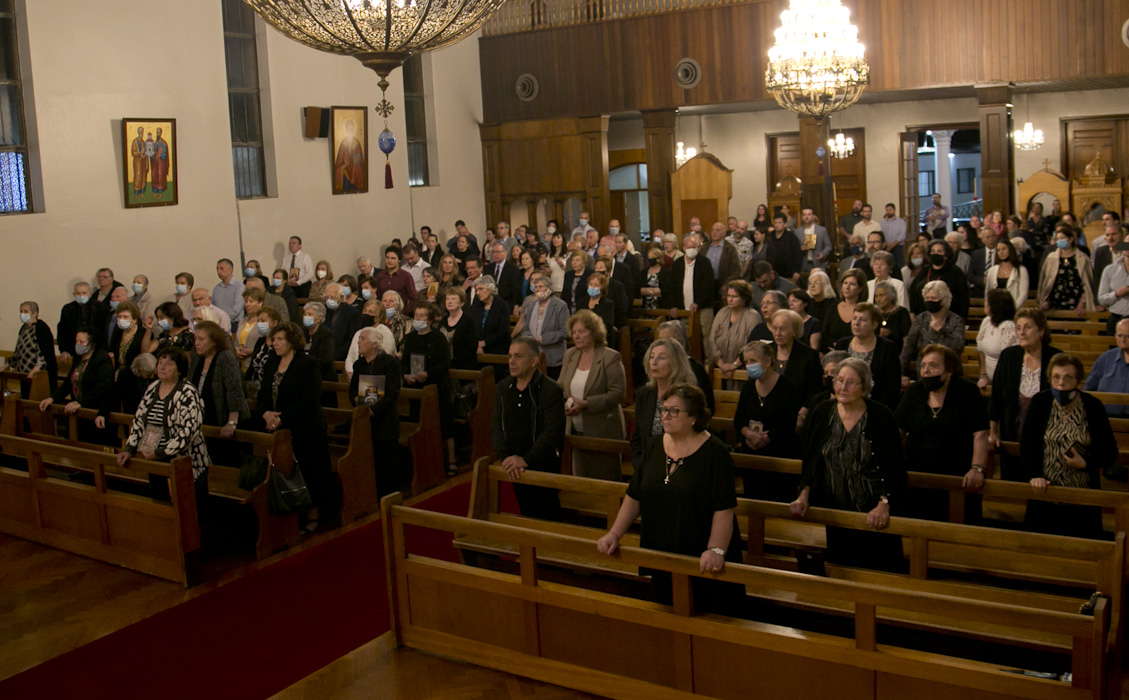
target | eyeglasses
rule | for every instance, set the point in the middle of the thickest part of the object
(847, 383)
(672, 411)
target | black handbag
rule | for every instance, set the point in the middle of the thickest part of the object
(252, 470)
(466, 398)
(288, 494)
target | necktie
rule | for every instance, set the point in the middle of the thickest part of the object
(294, 261)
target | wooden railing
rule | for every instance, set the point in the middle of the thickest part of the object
(526, 15)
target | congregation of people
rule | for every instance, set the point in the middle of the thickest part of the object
(848, 359)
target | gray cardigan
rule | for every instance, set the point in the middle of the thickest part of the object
(227, 384)
(554, 328)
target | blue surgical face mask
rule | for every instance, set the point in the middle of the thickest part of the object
(125, 324)
(25, 318)
(164, 324)
(594, 291)
(80, 349)
(82, 298)
(1062, 243)
(346, 290)
(856, 250)
(182, 289)
(114, 303)
(366, 294)
(331, 304)
(389, 313)
(308, 321)
(420, 326)
(249, 271)
(755, 371)
(262, 327)
(138, 288)
(275, 282)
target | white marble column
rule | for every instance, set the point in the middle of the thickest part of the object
(943, 140)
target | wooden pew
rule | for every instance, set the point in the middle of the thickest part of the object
(353, 461)
(38, 387)
(155, 537)
(577, 637)
(274, 532)
(480, 420)
(694, 334)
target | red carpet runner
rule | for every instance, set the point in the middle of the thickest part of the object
(252, 637)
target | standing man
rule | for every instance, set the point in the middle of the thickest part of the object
(461, 230)
(981, 260)
(1107, 253)
(504, 237)
(867, 224)
(78, 314)
(201, 297)
(692, 283)
(936, 218)
(815, 244)
(723, 257)
(582, 226)
(414, 265)
(394, 278)
(528, 427)
(473, 272)
(894, 229)
(106, 285)
(847, 223)
(782, 250)
(228, 294)
(364, 267)
(301, 267)
(744, 245)
(507, 276)
(624, 258)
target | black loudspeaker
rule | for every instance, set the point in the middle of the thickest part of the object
(317, 122)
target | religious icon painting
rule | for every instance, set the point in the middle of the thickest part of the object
(149, 155)
(349, 142)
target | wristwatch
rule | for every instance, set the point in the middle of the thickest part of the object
(718, 551)
(232, 423)
(884, 499)
(978, 468)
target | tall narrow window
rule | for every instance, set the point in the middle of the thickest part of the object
(243, 99)
(14, 174)
(416, 116)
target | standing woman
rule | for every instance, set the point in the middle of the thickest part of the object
(574, 288)
(393, 317)
(760, 247)
(171, 413)
(558, 261)
(666, 364)
(686, 497)
(837, 323)
(265, 322)
(424, 345)
(598, 301)
(595, 385)
(125, 346)
(321, 347)
(1066, 281)
(655, 281)
(351, 289)
(762, 222)
(997, 332)
(671, 252)
(323, 275)
(171, 330)
(1021, 374)
(823, 297)
(1009, 273)
(545, 319)
(940, 269)
(279, 287)
(731, 328)
(895, 318)
(492, 314)
(90, 384)
(290, 400)
(214, 372)
(247, 335)
(878, 353)
(765, 421)
(1067, 441)
(449, 274)
(35, 346)
(936, 323)
(800, 301)
(460, 330)
(792, 358)
(372, 362)
(853, 461)
(915, 260)
(528, 265)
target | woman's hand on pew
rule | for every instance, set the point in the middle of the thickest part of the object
(45, 403)
(100, 422)
(1039, 485)
(72, 408)
(122, 459)
(973, 480)
(711, 561)
(514, 466)
(879, 517)
(799, 507)
(607, 543)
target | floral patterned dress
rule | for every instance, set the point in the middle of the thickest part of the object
(1066, 293)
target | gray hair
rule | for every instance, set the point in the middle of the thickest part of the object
(364, 259)
(941, 289)
(670, 238)
(677, 329)
(371, 334)
(144, 279)
(399, 300)
(487, 282)
(682, 373)
(31, 305)
(891, 293)
(780, 297)
(1020, 245)
(333, 285)
(828, 288)
(144, 365)
(835, 356)
(882, 256)
(317, 307)
(861, 369)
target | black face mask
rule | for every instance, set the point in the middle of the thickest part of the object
(937, 259)
(932, 306)
(933, 383)
(829, 383)
(856, 250)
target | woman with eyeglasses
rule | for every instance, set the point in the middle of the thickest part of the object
(853, 461)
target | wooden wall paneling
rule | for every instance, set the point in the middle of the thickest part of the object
(997, 169)
(491, 179)
(1082, 137)
(623, 65)
(626, 156)
(594, 131)
(658, 133)
(702, 179)
(815, 172)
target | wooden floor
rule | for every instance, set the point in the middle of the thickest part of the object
(378, 670)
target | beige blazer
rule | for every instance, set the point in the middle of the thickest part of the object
(605, 390)
(1049, 273)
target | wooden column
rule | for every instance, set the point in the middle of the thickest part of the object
(996, 154)
(815, 173)
(594, 130)
(658, 131)
(492, 172)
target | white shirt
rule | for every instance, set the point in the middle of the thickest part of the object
(303, 262)
(991, 341)
(899, 287)
(387, 344)
(417, 272)
(688, 284)
(576, 390)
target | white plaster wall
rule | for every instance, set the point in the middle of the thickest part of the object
(89, 72)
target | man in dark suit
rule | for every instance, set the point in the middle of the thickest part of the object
(981, 260)
(344, 319)
(701, 285)
(625, 260)
(617, 292)
(506, 275)
(81, 312)
(1103, 255)
(858, 259)
(783, 250)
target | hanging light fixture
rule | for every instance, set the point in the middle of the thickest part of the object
(381, 34)
(1028, 138)
(683, 154)
(841, 146)
(817, 65)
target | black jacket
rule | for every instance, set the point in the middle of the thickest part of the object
(496, 331)
(951, 275)
(784, 253)
(803, 369)
(1003, 406)
(96, 386)
(385, 413)
(581, 295)
(1102, 451)
(704, 295)
(509, 284)
(885, 368)
(75, 316)
(548, 422)
(345, 321)
(288, 296)
(322, 349)
(299, 394)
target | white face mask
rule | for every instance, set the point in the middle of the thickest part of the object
(691, 253)
(584, 222)
(138, 288)
(125, 324)
(25, 318)
(552, 230)
(544, 293)
(613, 230)
(182, 289)
(321, 274)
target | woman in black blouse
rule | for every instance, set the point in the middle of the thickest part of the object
(321, 347)
(895, 319)
(427, 360)
(214, 371)
(837, 323)
(289, 400)
(268, 320)
(382, 377)
(492, 315)
(654, 282)
(666, 365)
(598, 301)
(169, 330)
(686, 497)
(575, 281)
(853, 461)
(90, 384)
(878, 353)
(765, 421)
(460, 330)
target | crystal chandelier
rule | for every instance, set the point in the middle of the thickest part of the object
(817, 65)
(381, 34)
(683, 154)
(1028, 138)
(841, 146)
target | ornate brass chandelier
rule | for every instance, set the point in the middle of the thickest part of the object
(841, 146)
(817, 65)
(381, 34)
